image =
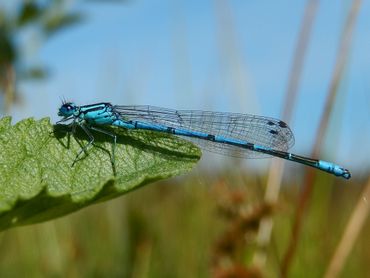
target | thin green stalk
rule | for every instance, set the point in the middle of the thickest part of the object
(305, 196)
(277, 165)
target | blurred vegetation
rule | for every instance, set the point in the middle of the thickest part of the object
(181, 228)
(45, 17)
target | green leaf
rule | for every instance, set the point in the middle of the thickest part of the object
(37, 182)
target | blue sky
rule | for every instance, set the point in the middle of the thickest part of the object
(210, 55)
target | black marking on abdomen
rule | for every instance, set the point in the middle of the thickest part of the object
(270, 123)
(211, 137)
(250, 146)
(132, 123)
(171, 130)
(273, 132)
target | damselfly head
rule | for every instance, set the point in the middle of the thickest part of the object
(67, 109)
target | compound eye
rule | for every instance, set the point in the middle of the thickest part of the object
(68, 107)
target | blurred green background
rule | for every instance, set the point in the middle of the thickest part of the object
(306, 62)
